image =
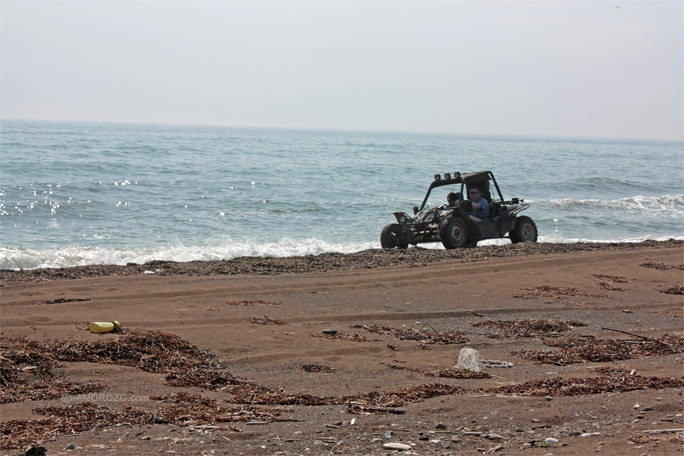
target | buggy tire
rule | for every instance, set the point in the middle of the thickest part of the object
(389, 238)
(454, 233)
(525, 230)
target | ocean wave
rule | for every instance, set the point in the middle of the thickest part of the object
(15, 258)
(21, 258)
(661, 206)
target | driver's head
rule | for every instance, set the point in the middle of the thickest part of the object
(451, 198)
(474, 193)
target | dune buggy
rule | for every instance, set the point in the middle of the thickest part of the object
(452, 224)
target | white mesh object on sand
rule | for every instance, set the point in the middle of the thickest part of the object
(469, 358)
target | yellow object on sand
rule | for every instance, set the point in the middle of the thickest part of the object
(105, 326)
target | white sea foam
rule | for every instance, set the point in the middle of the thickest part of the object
(661, 206)
(20, 258)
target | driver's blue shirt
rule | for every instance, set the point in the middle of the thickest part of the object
(483, 213)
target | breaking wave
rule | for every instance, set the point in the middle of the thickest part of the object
(20, 258)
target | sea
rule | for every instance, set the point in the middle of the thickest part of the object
(75, 194)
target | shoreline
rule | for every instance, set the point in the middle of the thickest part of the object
(325, 262)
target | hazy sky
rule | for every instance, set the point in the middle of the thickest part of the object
(577, 68)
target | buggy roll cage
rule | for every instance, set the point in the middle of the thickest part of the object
(467, 179)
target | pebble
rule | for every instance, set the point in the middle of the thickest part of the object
(396, 446)
(330, 332)
(551, 440)
(590, 434)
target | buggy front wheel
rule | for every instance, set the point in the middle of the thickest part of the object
(454, 233)
(525, 230)
(390, 237)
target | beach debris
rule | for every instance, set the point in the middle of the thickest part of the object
(359, 409)
(425, 337)
(578, 350)
(26, 373)
(101, 327)
(606, 282)
(251, 302)
(612, 278)
(180, 409)
(421, 325)
(661, 266)
(675, 290)
(609, 380)
(444, 373)
(468, 359)
(609, 286)
(183, 363)
(356, 337)
(508, 329)
(396, 446)
(626, 332)
(492, 363)
(317, 368)
(245, 393)
(268, 321)
(330, 332)
(63, 300)
(558, 294)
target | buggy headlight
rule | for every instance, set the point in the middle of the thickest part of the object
(438, 177)
(402, 218)
(457, 175)
(447, 176)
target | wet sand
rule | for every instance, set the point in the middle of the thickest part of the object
(347, 353)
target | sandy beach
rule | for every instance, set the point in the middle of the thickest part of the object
(581, 351)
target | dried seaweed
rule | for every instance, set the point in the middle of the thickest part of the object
(559, 294)
(184, 363)
(185, 408)
(26, 373)
(444, 373)
(661, 266)
(605, 285)
(425, 337)
(402, 397)
(610, 380)
(508, 329)
(611, 278)
(180, 409)
(268, 321)
(675, 290)
(63, 300)
(356, 337)
(317, 368)
(253, 394)
(251, 302)
(579, 350)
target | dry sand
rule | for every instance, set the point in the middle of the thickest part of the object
(350, 353)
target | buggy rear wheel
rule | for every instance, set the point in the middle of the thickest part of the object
(453, 233)
(525, 230)
(390, 237)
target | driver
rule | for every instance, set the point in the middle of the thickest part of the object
(480, 205)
